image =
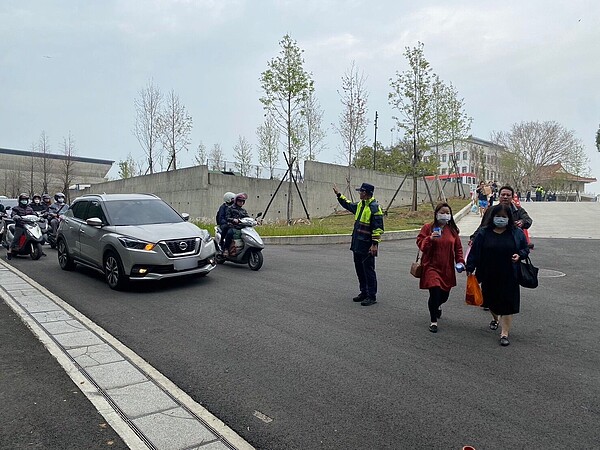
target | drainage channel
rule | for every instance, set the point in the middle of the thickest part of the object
(145, 408)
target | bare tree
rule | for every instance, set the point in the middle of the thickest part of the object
(315, 135)
(268, 145)
(538, 144)
(146, 130)
(216, 157)
(175, 126)
(242, 152)
(200, 157)
(66, 171)
(32, 170)
(353, 119)
(46, 162)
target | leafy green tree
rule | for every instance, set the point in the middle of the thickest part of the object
(411, 95)
(458, 122)
(127, 167)
(287, 87)
(397, 160)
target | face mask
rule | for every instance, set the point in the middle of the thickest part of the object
(501, 221)
(23, 202)
(443, 218)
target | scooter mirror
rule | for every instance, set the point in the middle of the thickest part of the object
(258, 215)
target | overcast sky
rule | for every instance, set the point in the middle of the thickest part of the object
(79, 65)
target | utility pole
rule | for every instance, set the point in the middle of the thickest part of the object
(375, 141)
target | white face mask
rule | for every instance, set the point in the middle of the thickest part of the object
(500, 221)
(443, 218)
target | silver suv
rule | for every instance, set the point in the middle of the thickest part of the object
(132, 237)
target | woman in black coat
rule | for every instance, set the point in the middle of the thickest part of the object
(497, 249)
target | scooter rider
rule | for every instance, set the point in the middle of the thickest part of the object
(37, 204)
(46, 201)
(222, 213)
(233, 215)
(56, 209)
(22, 209)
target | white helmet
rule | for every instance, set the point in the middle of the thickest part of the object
(228, 197)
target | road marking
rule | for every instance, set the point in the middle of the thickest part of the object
(263, 417)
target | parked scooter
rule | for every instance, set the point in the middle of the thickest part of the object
(247, 249)
(30, 242)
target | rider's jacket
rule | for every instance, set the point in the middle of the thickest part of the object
(20, 211)
(222, 215)
(58, 208)
(38, 207)
(235, 212)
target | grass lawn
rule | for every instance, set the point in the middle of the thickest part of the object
(400, 218)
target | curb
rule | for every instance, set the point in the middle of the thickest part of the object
(346, 238)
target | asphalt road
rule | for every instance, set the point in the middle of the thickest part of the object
(288, 344)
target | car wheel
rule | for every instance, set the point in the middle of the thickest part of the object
(113, 271)
(255, 261)
(64, 260)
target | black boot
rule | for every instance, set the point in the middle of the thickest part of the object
(368, 301)
(360, 297)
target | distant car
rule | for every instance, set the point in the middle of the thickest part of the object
(132, 237)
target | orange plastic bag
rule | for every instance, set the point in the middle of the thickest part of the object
(473, 295)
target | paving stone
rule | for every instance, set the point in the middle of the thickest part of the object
(141, 399)
(116, 374)
(37, 304)
(52, 316)
(159, 427)
(79, 339)
(65, 326)
(95, 355)
(218, 445)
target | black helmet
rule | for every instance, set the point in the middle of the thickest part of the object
(59, 195)
(36, 196)
(23, 196)
(45, 197)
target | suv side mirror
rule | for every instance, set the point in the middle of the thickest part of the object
(185, 216)
(94, 222)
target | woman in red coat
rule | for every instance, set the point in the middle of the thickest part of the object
(442, 249)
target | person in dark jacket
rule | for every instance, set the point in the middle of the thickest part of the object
(37, 204)
(18, 211)
(497, 249)
(368, 228)
(232, 216)
(222, 215)
(518, 214)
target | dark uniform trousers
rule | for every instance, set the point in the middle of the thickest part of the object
(365, 271)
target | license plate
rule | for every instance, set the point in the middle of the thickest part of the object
(185, 264)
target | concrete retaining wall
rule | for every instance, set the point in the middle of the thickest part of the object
(199, 192)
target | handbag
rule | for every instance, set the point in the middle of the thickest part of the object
(528, 274)
(473, 295)
(416, 268)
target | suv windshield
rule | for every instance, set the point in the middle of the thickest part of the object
(140, 212)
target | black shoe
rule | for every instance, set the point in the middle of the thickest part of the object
(504, 341)
(360, 297)
(368, 301)
(433, 328)
(439, 313)
(8, 256)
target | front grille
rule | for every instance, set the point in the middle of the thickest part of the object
(181, 247)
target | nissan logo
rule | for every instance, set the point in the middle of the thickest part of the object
(183, 246)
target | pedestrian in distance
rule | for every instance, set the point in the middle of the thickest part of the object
(482, 198)
(497, 249)
(366, 236)
(442, 254)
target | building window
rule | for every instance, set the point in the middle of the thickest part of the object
(444, 157)
(465, 156)
(444, 171)
(464, 169)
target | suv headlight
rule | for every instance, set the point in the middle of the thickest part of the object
(135, 244)
(205, 235)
